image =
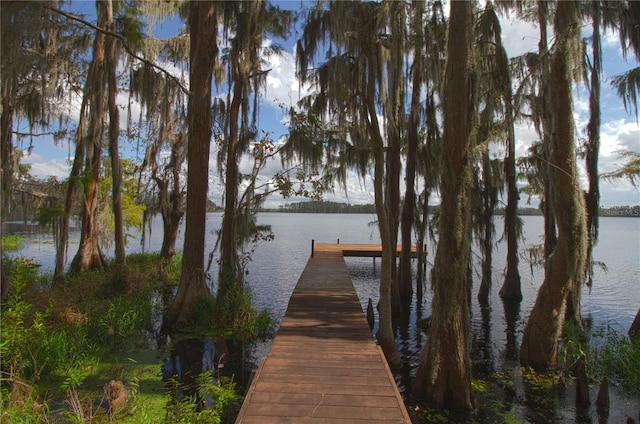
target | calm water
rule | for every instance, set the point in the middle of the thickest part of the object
(276, 266)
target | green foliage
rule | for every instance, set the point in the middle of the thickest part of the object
(30, 350)
(47, 216)
(152, 269)
(121, 321)
(430, 415)
(67, 346)
(621, 211)
(61, 339)
(328, 207)
(479, 385)
(189, 410)
(12, 243)
(508, 418)
(130, 26)
(236, 316)
(614, 355)
(132, 211)
(226, 402)
(200, 325)
(609, 352)
(22, 330)
(77, 371)
(29, 410)
(540, 380)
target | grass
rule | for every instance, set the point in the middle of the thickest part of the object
(609, 353)
(614, 355)
(12, 243)
(71, 353)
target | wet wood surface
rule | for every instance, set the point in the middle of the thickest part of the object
(324, 366)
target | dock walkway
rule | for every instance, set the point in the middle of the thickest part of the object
(324, 366)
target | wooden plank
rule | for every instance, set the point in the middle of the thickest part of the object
(358, 250)
(336, 389)
(326, 399)
(338, 371)
(323, 366)
(308, 420)
(370, 413)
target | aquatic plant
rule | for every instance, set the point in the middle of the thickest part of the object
(616, 356)
(12, 243)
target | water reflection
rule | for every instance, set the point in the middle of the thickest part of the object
(189, 360)
(482, 349)
(511, 317)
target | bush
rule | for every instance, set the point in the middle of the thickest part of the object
(609, 352)
(214, 403)
(120, 321)
(614, 355)
(22, 331)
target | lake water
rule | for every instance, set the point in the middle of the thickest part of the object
(276, 266)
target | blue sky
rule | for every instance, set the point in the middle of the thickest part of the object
(619, 132)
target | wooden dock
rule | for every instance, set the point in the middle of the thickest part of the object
(324, 366)
(358, 250)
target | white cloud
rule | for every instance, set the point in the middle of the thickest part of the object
(283, 87)
(519, 37)
(43, 167)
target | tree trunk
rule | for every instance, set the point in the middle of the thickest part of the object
(385, 333)
(114, 135)
(202, 55)
(409, 204)
(634, 330)
(565, 267)
(592, 196)
(89, 255)
(228, 274)
(170, 197)
(543, 51)
(421, 248)
(392, 200)
(488, 200)
(76, 167)
(172, 204)
(6, 170)
(444, 374)
(400, 297)
(511, 288)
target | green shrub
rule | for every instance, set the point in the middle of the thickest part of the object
(12, 243)
(226, 403)
(22, 331)
(120, 321)
(614, 355)
(609, 352)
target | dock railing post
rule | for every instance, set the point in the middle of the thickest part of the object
(313, 242)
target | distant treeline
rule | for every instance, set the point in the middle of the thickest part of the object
(336, 207)
(626, 211)
(326, 207)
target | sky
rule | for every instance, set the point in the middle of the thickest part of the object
(619, 131)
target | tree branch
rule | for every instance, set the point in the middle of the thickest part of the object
(125, 45)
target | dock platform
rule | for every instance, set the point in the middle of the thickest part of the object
(324, 366)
